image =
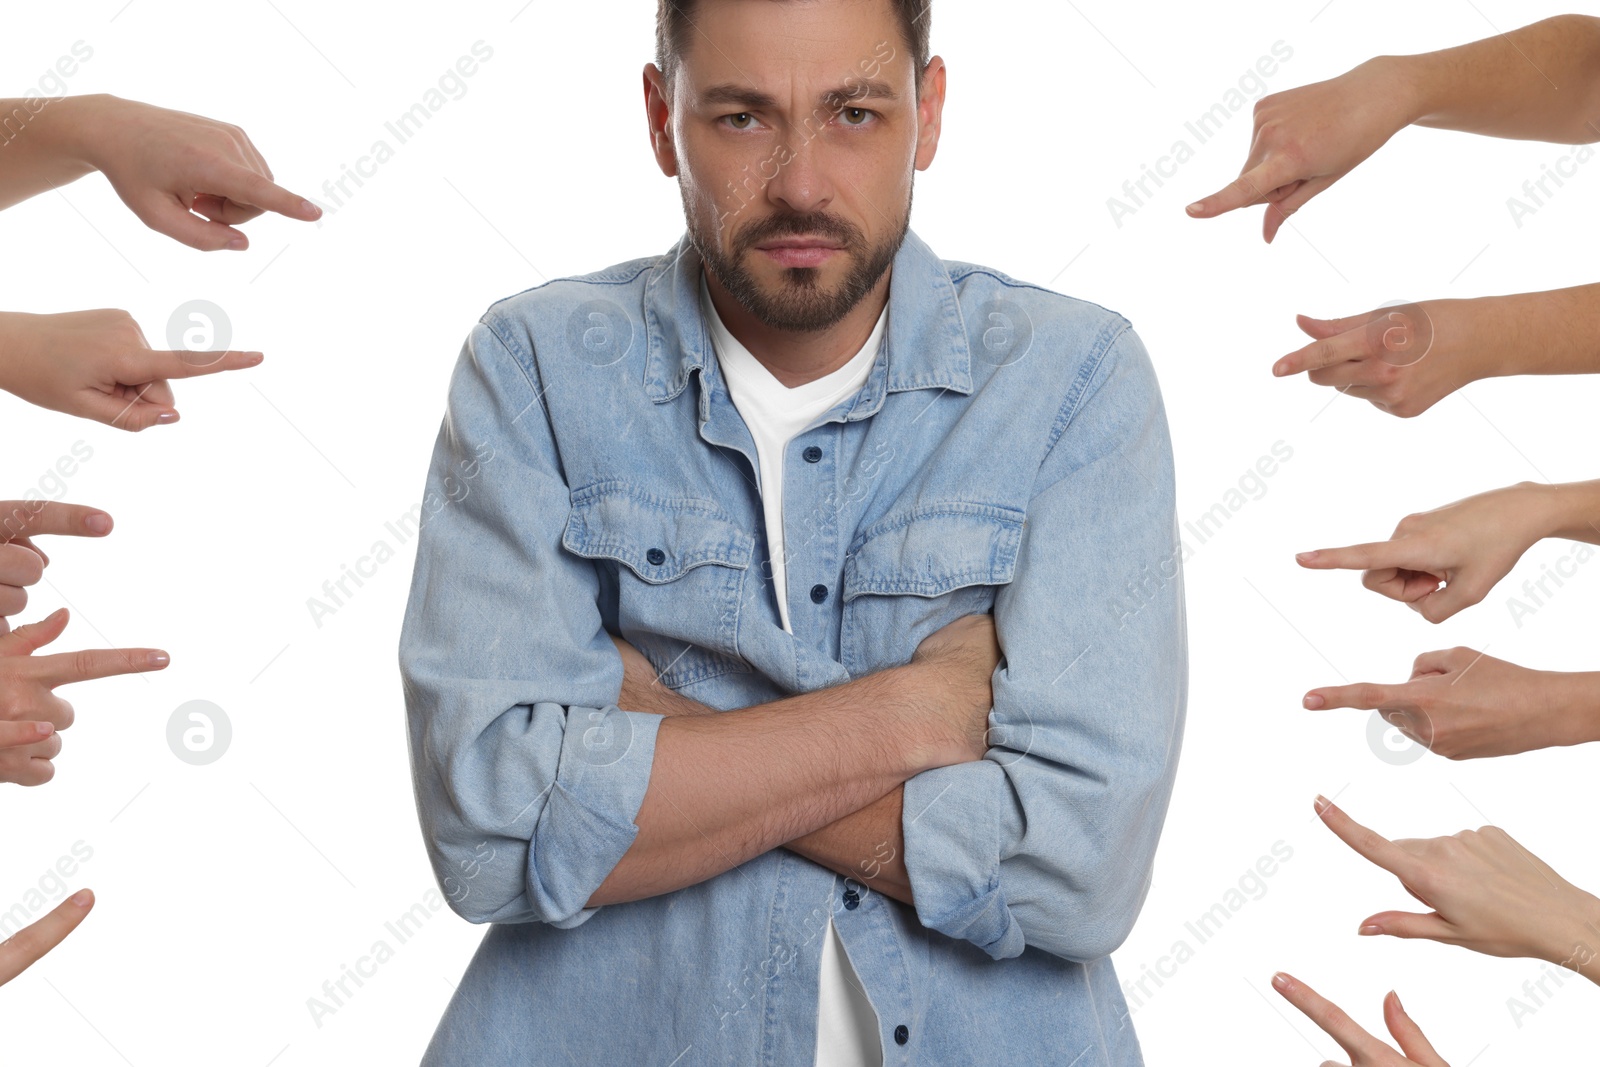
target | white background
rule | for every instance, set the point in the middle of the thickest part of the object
(229, 893)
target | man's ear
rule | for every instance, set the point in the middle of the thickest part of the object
(930, 112)
(658, 115)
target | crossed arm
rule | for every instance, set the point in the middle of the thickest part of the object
(866, 844)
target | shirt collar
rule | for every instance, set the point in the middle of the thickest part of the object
(925, 344)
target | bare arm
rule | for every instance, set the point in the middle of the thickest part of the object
(1539, 83)
(730, 786)
(35, 154)
(867, 845)
(811, 771)
(1552, 332)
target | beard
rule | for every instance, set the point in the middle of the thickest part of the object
(801, 303)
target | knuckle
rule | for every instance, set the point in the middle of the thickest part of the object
(83, 662)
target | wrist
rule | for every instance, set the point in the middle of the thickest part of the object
(1490, 336)
(1404, 85)
(71, 125)
(11, 354)
(916, 731)
(1570, 511)
(1541, 509)
(1578, 946)
(1574, 698)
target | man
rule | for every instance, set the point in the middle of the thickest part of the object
(827, 824)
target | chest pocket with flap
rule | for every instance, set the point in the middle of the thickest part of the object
(915, 571)
(676, 569)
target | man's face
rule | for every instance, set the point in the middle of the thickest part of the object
(795, 133)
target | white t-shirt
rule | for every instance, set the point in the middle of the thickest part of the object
(847, 1023)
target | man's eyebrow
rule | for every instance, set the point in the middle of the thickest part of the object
(744, 96)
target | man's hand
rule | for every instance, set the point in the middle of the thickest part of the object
(961, 658)
(1466, 546)
(97, 365)
(186, 176)
(22, 562)
(1462, 704)
(642, 689)
(27, 681)
(1308, 138)
(1363, 1049)
(25, 947)
(1487, 892)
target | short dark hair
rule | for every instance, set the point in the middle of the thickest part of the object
(674, 19)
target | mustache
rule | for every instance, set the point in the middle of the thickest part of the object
(800, 226)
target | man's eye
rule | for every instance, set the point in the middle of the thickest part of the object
(745, 116)
(855, 116)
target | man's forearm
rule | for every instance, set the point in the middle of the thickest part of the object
(1540, 82)
(730, 786)
(867, 845)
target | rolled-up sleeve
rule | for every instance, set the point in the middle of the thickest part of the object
(1049, 840)
(527, 775)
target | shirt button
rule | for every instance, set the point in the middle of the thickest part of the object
(819, 593)
(901, 1034)
(852, 900)
(656, 557)
(812, 454)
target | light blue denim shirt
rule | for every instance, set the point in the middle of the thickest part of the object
(1008, 452)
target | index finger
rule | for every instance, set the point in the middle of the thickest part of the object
(245, 186)
(1248, 188)
(25, 947)
(1363, 696)
(1369, 843)
(64, 668)
(1346, 347)
(1370, 556)
(163, 364)
(1329, 1016)
(51, 517)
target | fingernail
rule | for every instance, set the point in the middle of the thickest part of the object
(1396, 997)
(158, 659)
(1322, 802)
(238, 244)
(310, 209)
(1280, 980)
(252, 358)
(1194, 208)
(45, 728)
(1369, 930)
(98, 523)
(1313, 701)
(167, 417)
(1279, 369)
(83, 898)
(1307, 557)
